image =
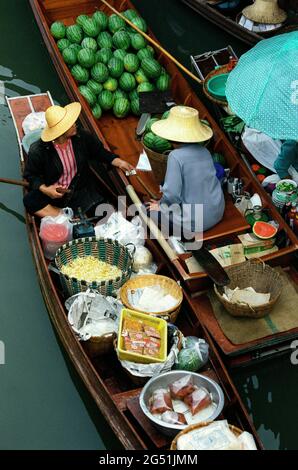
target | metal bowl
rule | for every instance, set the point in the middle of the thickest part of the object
(163, 381)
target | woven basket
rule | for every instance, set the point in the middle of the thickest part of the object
(169, 285)
(254, 274)
(158, 162)
(107, 250)
(234, 430)
(218, 71)
(99, 345)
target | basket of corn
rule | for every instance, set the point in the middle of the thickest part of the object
(102, 265)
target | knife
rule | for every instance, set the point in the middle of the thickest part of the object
(142, 123)
(211, 266)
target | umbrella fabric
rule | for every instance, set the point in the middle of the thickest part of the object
(263, 88)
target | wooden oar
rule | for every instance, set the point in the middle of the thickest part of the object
(25, 184)
(149, 39)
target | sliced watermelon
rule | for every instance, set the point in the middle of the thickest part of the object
(264, 230)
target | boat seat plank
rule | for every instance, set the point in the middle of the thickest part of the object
(121, 399)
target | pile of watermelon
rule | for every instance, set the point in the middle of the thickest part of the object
(110, 61)
(154, 142)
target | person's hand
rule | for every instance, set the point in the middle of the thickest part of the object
(153, 205)
(122, 164)
(51, 191)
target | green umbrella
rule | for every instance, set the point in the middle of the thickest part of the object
(263, 88)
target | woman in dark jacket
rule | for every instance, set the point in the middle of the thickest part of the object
(58, 165)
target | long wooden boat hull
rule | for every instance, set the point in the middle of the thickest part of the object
(119, 136)
(112, 391)
(229, 24)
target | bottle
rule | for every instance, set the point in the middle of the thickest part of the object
(291, 216)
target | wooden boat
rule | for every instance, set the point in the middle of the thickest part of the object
(112, 390)
(227, 20)
(119, 136)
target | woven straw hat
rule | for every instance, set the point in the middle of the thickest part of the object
(59, 120)
(265, 11)
(182, 125)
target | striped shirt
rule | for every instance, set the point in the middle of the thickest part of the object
(69, 163)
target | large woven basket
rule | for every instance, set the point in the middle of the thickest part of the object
(218, 71)
(148, 280)
(258, 275)
(158, 162)
(99, 345)
(107, 250)
(234, 430)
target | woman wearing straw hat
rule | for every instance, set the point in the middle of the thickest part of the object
(190, 181)
(58, 165)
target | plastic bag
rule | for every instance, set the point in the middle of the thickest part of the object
(92, 315)
(263, 148)
(55, 232)
(194, 354)
(34, 121)
(120, 229)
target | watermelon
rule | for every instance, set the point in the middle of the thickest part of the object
(106, 100)
(75, 47)
(120, 94)
(116, 23)
(91, 28)
(163, 83)
(146, 86)
(116, 67)
(120, 54)
(111, 84)
(63, 44)
(121, 40)
(158, 144)
(131, 63)
(97, 111)
(101, 19)
(151, 50)
(149, 124)
(133, 95)
(165, 115)
(138, 42)
(140, 23)
(100, 73)
(86, 58)
(74, 34)
(264, 230)
(130, 14)
(145, 54)
(94, 86)
(104, 55)
(189, 359)
(81, 19)
(149, 139)
(135, 106)
(88, 95)
(58, 30)
(89, 43)
(141, 77)
(70, 56)
(127, 82)
(151, 68)
(121, 107)
(80, 73)
(104, 39)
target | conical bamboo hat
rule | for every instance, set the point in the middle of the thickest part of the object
(266, 12)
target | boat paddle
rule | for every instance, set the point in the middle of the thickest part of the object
(25, 184)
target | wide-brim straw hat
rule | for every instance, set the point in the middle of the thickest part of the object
(59, 120)
(182, 125)
(265, 11)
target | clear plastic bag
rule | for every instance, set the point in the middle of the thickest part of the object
(120, 229)
(34, 121)
(55, 232)
(194, 354)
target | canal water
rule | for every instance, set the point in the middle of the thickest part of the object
(43, 404)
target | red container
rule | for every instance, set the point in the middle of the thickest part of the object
(53, 236)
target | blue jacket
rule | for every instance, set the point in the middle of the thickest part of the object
(288, 156)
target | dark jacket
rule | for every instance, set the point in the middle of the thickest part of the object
(44, 165)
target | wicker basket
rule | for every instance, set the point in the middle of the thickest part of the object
(107, 250)
(158, 162)
(254, 274)
(99, 345)
(218, 71)
(234, 430)
(148, 280)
